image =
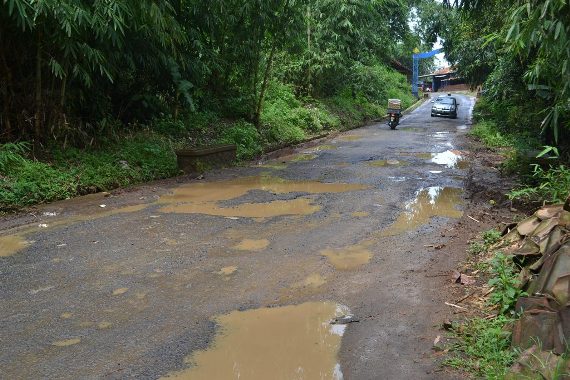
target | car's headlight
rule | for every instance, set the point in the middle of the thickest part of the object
(452, 108)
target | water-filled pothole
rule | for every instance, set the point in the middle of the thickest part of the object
(385, 163)
(12, 244)
(252, 245)
(451, 159)
(205, 197)
(290, 342)
(312, 281)
(299, 157)
(350, 138)
(428, 203)
(348, 258)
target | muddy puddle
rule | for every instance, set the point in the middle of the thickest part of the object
(350, 138)
(385, 163)
(299, 157)
(314, 280)
(348, 258)
(290, 342)
(205, 197)
(321, 148)
(273, 165)
(252, 245)
(228, 271)
(450, 159)
(422, 155)
(428, 203)
(12, 244)
(360, 214)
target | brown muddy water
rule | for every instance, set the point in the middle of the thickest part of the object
(312, 281)
(12, 244)
(384, 163)
(428, 203)
(348, 258)
(281, 343)
(321, 148)
(228, 271)
(204, 197)
(350, 138)
(299, 157)
(252, 245)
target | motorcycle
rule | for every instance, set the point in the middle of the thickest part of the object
(393, 119)
(394, 112)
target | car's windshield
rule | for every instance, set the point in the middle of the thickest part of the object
(445, 101)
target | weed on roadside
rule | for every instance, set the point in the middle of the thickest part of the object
(488, 238)
(550, 185)
(482, 347)
(505, 283)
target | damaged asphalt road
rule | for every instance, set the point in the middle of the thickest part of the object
(242, 273)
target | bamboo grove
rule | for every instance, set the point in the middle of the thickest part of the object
(73, 67)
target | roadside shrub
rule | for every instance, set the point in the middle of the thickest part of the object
(245, 136)
(73, 171)
(12, 154)
(490, 135)
(483, 348)
(170, 127)
(377, 83)
(31, 182)
(505, 282)
(550, 185)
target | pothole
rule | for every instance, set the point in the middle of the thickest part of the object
(206, 197)
(348, 258)
(385, 163)
(290, 342)
(252, 245)
(428, 203)
(451, 159)
(314, 280)
(12, 244)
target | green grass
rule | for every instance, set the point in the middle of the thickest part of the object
(71, 172)
(491, 136)
(549, 185)
(482, 347)
(482, 245)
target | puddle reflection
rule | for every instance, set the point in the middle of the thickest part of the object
(451, 159)
(428, 203)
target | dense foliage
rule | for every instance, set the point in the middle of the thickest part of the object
(519, 51)
(86, 75)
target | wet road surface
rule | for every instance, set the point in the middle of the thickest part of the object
(241, 274)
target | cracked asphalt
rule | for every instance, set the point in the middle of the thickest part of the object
(135, 288)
